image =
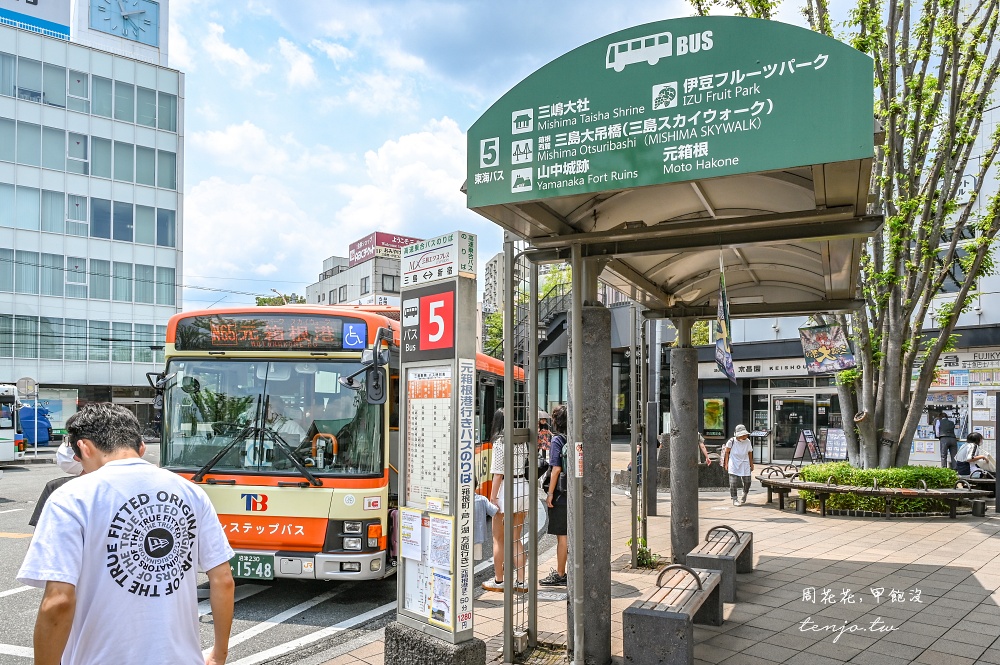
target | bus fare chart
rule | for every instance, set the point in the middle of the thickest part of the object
(428, 437)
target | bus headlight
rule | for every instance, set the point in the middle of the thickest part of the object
(352, 543)
(375, 565)
(352, 527)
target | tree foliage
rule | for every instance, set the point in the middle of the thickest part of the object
(936, 63)
(280, 299)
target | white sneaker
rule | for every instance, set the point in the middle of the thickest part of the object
(736, 502)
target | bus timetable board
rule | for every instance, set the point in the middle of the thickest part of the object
(270, 332)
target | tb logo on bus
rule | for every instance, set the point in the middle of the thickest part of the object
(255, 502)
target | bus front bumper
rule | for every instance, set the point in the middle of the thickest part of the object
(359, 566)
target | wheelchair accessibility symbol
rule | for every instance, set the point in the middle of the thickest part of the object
(355, 335)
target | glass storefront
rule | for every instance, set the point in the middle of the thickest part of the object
(787, 407)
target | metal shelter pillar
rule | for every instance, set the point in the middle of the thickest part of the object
(589, 612)
(683, 443)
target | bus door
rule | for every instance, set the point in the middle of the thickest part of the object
(486, 406)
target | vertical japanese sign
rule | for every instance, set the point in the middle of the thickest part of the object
(723, 338)
(438, 474)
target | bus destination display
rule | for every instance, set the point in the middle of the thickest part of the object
(270, 332)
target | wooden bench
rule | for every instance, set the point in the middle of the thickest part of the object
(658, 628)
(889, 494)
(728, 551)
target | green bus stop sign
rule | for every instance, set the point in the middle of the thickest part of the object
(674, 101)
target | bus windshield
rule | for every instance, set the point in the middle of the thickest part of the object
(267, 412)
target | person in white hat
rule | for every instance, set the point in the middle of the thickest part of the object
(738, 460)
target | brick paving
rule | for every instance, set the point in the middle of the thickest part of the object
(946, 573)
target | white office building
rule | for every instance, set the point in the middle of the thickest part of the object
(91, 206)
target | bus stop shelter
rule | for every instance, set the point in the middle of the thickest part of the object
(657, 157)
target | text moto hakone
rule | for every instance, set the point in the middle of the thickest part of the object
(429, 323)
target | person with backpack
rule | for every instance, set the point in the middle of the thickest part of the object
(738, 460)
(558, 497)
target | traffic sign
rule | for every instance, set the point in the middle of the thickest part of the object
(27, 386)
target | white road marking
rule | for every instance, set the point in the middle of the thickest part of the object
(279, 619)
(323, 633)
(12, 510)
(11, 592)
(11, 650)
(243, 592)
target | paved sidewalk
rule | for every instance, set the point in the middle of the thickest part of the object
(811, 599)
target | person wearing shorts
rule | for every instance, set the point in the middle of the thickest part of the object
(557, 500)
(517, 512)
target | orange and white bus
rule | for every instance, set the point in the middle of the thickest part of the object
(259, 410)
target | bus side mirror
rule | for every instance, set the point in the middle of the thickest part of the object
(375, 385)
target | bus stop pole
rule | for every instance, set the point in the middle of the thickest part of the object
(576, 391)
(531, 329)
(509, 574)
(634, 440)
(646, 429)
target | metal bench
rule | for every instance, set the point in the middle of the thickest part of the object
(658, 629)
(889, 494)
(728, 551)
(983, 480)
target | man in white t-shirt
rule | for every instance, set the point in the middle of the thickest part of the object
(738, 460)
(118, 551)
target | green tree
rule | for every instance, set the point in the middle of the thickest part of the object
(280, 299)
(493, 334)
(936, 63)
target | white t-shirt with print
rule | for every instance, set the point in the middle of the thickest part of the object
(739, 456)
(131, 538)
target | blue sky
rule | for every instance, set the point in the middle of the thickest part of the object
(311, 123)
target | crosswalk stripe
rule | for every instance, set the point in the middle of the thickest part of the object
(11, 592)
(243, 592)
(11, 650)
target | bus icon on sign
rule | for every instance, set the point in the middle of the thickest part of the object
(355, 335)
(411, 313)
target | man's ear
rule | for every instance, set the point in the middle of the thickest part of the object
(142, 449)
(87, 448)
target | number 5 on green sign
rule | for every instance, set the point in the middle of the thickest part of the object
(489, 152)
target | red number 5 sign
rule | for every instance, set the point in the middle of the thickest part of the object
(437, 321)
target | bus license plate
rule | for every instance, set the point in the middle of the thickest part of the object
(253, 566)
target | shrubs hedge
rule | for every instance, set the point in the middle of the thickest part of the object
(906, 476)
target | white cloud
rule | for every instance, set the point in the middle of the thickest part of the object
(414, 183)
(337, 53)
(181, 55)
(300, 65)
(397, 59)
(248, 148)
(377, 93)
(229, 58)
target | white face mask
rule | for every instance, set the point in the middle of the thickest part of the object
(67, 461)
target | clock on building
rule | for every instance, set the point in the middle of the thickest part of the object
(138, 20)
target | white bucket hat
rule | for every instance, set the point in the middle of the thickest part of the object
(741, 431)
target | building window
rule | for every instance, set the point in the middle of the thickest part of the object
(145, 166)
(76, 216)
(6, 205)
(53, 211)
(54, 86)
(166, 232)
(167, 115)
(145, 107)
(124, 161)
(161, 341)
(29, 144)
(365, 285)
(78, 88)
(25, 337)
(390, 283)
(8, 63)
(52, 275)
(121, 286)
(343, 293)
(333, 297)
(121, 342)
(100, 279)
(124, 101)
(100, 218)
(145, 225)
(75, 346)
(26, 272)
(100, 165)
(101, 101)
(6, 269)
(50, 338)
(29, 80)
(28, 208)
(100, 338)
(6, 335)
(53, 149)
(144, 281)
(165, 286)
(123, 221)
(8, 139)
(166, 169)
(76, 154)
(76, 277)
(145, 339)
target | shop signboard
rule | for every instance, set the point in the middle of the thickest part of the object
(673, 101)
(377, 244)
(826, 349)
(444, 257)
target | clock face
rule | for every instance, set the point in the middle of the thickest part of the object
(138, 20)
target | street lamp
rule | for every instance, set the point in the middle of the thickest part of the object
(282, 296)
